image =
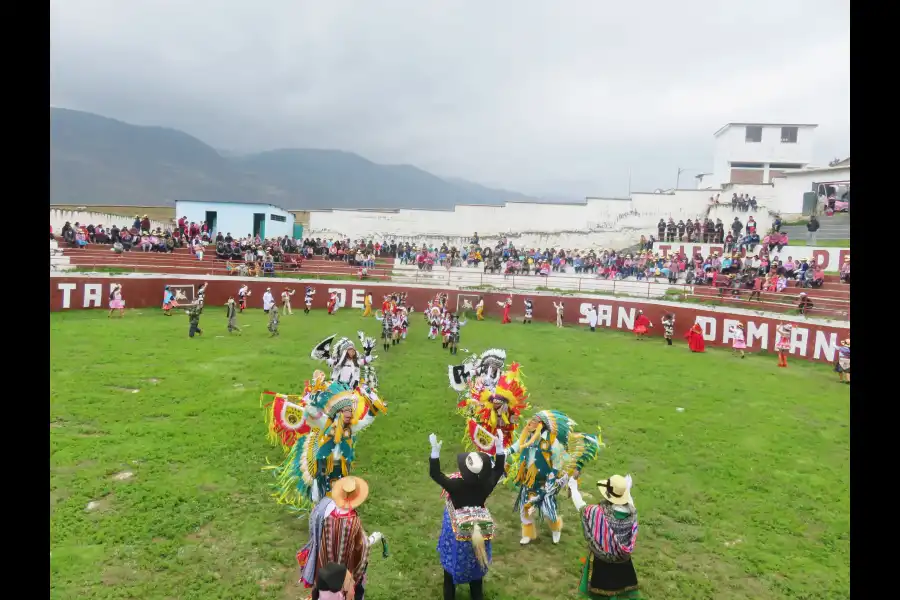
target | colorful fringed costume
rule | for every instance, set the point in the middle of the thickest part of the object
(490, 410)
(549, 452)
(285, 413)
(334, 416)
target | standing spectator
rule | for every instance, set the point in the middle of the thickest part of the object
(811, 228)
(145, 223)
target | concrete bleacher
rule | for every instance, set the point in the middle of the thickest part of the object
(58, 260)
(832, 300)
(181, 261)
(475, 277)
(835, 227)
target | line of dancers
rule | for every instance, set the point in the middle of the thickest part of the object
(318, 431)
(444, 323)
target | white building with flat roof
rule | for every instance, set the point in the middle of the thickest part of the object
(238, 218)
(755, 153)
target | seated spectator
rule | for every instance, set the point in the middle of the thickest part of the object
(789, 267)
(268, 267)
(845, 270)
(818, 276)
(805, 304)
(781, 283)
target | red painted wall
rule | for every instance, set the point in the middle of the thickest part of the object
(811, 341)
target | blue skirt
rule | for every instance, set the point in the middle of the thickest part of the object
(458, 558)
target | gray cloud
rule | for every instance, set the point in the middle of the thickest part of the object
(564, 97)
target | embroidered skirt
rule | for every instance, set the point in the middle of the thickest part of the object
(601, 579)
(458, 558)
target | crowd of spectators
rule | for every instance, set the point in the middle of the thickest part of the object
(744, 264)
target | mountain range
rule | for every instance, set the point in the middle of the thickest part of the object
(95, 160)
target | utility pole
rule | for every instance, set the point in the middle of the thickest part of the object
(678, 178)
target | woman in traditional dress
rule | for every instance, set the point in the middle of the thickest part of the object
(367, 304)
(464, 545)
(783, 345)
(506, 305)
(738, 344)
(332, 303)
(695, 338)
(116, 303)
(610, 528)
(479, 309)
(529, 310)
(842, 362)
(642, 325)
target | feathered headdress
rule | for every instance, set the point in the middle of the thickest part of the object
(495, 357)
(510, 391)
(333, 399)
(557, 425)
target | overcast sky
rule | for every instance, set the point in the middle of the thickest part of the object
(539, 96)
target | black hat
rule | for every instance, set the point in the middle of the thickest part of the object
(331, 578)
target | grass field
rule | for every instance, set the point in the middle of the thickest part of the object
(742, 495)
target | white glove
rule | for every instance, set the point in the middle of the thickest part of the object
(375, 538)
(498, 444)
(435, 446)
(576, 495)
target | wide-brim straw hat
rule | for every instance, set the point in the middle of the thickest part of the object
(349, 492)
(615, 490)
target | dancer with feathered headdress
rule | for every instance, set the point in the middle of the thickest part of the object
(325, 453)
(492, 410)
(549, 452)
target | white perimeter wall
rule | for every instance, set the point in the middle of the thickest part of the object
(58, 218)
(597, 222)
